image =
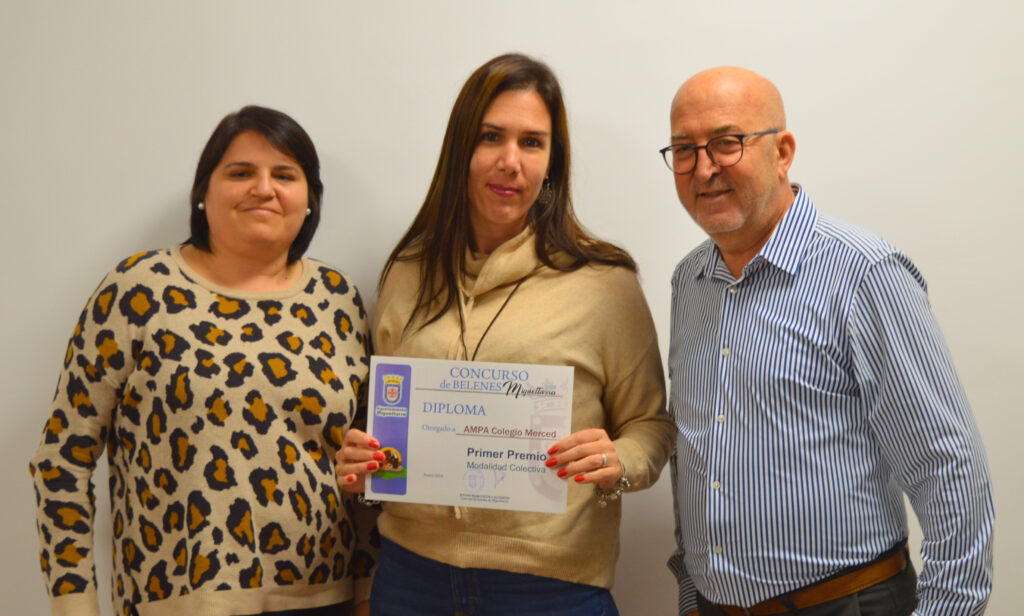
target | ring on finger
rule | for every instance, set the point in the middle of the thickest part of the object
(604, 460)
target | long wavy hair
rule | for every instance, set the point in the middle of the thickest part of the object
(441, 231)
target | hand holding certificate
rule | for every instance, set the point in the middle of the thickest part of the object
(472, 434)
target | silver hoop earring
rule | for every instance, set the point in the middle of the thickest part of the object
(546, 194)
(200, 206)
(308, 211)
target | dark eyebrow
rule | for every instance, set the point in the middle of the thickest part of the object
(501, 129)
(728, 129)
(247, 164)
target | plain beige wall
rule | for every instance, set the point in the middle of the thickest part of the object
(906, 114)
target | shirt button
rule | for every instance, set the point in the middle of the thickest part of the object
(715, 485)
(720, 419)
(718, 549)
(725, 352)
(733, 290)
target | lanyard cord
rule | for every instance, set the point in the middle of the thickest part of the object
(462, 321)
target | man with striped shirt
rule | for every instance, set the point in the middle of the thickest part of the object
(812, 389)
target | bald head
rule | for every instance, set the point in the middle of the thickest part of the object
(730, 87)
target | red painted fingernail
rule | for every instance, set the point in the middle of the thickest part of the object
(378, 456)
(563, 473)
(374, 443)
(350, 479)
(372, 466)
(552, 450)
(551, 462)
(578, 478)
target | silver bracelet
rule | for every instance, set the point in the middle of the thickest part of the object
(604, 496)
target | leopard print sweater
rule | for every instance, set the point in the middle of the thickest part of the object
(221, 413)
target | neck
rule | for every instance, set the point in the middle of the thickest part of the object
(738, 248)
(737, 257)
(486, 241)
(249, 272)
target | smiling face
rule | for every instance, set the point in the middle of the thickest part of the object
(508, 166)
(738, 206)
(257, 198)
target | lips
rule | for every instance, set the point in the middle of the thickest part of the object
(711, 194)
(261, 208)
(504, 191)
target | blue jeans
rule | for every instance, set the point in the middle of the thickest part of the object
(407, 584)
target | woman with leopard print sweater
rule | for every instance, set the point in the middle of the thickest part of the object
(220, 376)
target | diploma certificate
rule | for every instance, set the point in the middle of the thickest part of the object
(473, 434)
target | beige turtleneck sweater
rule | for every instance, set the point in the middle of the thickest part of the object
(594, 319)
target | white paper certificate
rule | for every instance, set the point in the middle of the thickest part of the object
(473, 434)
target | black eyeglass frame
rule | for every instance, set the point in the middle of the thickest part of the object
(696, 148)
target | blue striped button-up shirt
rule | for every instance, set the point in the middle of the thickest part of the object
(810, 394)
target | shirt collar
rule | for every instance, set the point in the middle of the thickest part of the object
(786, 246)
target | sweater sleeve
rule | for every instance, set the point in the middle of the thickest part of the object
(366, 553)
(395, 302)
(363, 519)
(91, 383)
(634, 398)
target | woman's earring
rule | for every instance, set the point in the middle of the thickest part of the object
(308, 211)
(546, 194)
(200, 206)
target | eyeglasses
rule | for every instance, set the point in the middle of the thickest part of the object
(724, 151)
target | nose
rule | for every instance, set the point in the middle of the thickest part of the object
(706, 167)
(509, 159)
(263, 186)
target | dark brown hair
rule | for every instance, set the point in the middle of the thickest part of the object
(283, 133)
(440, 233)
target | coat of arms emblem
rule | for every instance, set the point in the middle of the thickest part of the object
(392, 389)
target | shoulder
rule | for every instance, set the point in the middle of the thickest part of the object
(136, 284)
(128, 296)
(398, 293)
(861, 252)
(144, 275)
(332, 291)
(600, 277)
(403, 276)
(608, 305)
(149, 265)
(333, 279)
(693, 262)
(605, 292)
(852, 241)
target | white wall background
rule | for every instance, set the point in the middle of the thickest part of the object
(907, 118)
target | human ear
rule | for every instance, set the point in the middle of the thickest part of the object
(786, 150)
